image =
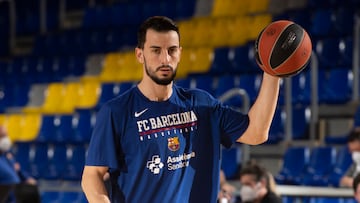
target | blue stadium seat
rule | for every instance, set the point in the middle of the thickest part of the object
(64, 131)
(56, 163)
(204, 82)
(251, 84)
(22, 154)
(339, 86)
(342, 163)
(328, 52)
(50, 196)
(70, 197)
(84, 121)
(344, 20)
(184, 82)
(346, 52)
(242, 59)
(108, 91)
(221, 62)
(300, 121)
(231, 161)
(184, 9)
(75, 163)
(40, 160)
(321, 23)
(294, 163)
(277, 128)
(322, 160)
(47, 129)
(326, 200)
(96, 17)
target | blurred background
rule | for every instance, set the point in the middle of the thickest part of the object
(60, 60)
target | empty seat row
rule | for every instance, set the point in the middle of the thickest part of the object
(29, 70)
(120, 14)
(317, 166)
(48, 161)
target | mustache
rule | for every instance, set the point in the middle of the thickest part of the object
(164, 66)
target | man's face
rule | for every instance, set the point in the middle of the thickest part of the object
(160, 56)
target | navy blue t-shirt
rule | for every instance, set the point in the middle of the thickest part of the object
(165, 151)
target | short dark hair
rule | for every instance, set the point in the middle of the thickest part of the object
(157, 23)
(354, 135)
(253, 169)
(356, 182)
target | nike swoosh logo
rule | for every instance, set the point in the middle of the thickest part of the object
(137, 114)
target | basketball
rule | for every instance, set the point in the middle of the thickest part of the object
(283, 48)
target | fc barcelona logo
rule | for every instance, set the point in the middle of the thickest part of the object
(173, 144)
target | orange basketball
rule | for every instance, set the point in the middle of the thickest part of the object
(283, 48)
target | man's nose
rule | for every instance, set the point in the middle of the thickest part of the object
(165, 58)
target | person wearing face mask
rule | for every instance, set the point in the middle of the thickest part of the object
(15, 184)
(353, 143)
(8, 174)
(256, 186)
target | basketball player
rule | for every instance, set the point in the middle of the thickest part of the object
(160, 142)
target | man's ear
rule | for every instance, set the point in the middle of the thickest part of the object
(139, 55)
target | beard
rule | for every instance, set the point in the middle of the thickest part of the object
(160, 81)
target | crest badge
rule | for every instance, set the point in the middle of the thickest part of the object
(173, 143)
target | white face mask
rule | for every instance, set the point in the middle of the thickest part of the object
(5, 144)
(248, 193)
(356, 157)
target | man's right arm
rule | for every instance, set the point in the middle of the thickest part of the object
(92, 184)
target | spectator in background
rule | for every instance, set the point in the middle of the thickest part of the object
(227, 191)
(12, 178)
(353, 143)
(257, 185)
(356, 188)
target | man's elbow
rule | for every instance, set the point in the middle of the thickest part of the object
(254, 138)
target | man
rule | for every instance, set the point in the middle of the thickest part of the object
(256, 186)
(353, 143)
(160, 142)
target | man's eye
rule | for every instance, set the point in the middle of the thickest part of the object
(172, 51)
(156, 51)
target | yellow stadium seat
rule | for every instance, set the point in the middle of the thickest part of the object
(88, 94)
(239, 30)
(14, 125)
(258, 6)
(221, 31)
(203, 57)
(110, 68)
(129, 69)
(30, 127)
(203, 32)
(229, 8)
(258, 23)
(187, 30)
(2, 119)
(70, 98)
(53, 98)
(185, 62)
